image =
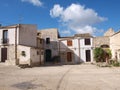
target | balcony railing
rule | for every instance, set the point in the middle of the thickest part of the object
(5, 41)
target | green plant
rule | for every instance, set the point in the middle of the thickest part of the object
(102, 55)
(98, 54)
(114, 63)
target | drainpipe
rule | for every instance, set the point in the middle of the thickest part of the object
(59, 49)
(79, 48)
(16, 61)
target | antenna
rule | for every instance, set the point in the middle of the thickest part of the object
(20, 19)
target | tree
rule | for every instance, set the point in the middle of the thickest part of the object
(99, 54)
(102, 55)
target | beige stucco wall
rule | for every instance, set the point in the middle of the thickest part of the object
(32, 55)
(98, 41)
(35, 56)
(27, 35)
(115, 45)
(109, 32)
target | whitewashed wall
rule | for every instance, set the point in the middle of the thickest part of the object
(78, 48)
(23, 59)
(11, 35)
(84, 47)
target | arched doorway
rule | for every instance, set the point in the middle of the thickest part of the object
(104, 46)
(48, 55)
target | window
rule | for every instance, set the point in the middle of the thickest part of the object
(69, 42)
(5, 36)
(47, 40)
(38, 53)
(87, 41)
(41, 41)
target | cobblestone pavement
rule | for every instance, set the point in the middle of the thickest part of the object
(64, 77)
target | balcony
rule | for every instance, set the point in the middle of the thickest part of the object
(5, 41)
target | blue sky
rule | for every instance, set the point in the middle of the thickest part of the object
(69, 16)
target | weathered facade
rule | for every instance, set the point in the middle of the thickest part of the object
(115, 45)
(103, 41)
(18, 42)
(50, 43)
(76, 49)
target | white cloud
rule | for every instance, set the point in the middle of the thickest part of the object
(77, 18)
(66, 32)
(56, 11)
(34, 2)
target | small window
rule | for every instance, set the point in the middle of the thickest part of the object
(5, 36)
(47, 40)
(87, 41)
(41, 41)
(69, 42)
(38, 53)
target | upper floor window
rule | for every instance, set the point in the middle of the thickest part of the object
(47, 40)
(5, 36)
(69, 42)
(87, 41)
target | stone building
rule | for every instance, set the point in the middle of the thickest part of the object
(103, 41)
(50, 43)
(18, 44)
(115, 45)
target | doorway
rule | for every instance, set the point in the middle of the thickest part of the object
(69, 56)
(88, 56)
(48, 55)
(3, 54)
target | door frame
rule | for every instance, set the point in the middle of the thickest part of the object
(88, 55)
(69, 56)
(48, 52)
(3, 54)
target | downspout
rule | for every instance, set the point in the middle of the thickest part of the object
(16, 61)
(79, 48)
(59, 50)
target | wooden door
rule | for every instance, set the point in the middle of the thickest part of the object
(3, 54)
(69, 56)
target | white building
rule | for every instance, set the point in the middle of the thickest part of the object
(76, 49)
(18, 44)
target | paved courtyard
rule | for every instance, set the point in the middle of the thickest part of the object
(66, 77)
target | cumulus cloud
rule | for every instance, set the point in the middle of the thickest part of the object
(77, 18)
(34, 2)
(66, 32)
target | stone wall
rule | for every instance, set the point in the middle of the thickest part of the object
(53, 35)
(98, 41)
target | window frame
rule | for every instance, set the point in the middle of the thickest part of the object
(87, 42)
(47, 40)
(69, 43)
